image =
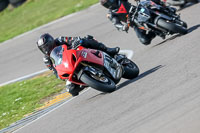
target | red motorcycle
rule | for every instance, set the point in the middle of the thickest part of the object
(94, 68)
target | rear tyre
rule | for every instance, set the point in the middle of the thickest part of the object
(131, 70)
(3, 4)
(172, 27)
(102, 83)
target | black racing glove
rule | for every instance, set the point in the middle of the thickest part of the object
(77, 41)
(55, 72)
(61, 40)
(89, 37)
(48, 62)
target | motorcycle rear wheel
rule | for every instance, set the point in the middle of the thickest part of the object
(172, 27)
(131, 70)
(103, 84)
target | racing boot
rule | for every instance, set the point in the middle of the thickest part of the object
(112, 51)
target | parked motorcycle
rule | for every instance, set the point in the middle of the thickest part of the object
(152, 17)
(94, 68)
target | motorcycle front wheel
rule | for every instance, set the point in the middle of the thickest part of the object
(103, 83)
(172, 27)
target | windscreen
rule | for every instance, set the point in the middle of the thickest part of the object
(56, 55)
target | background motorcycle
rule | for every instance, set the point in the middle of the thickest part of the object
(94, 68)
(151, 17)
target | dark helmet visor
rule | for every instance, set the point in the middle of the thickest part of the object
(46, 43)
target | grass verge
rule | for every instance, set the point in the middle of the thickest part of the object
(35, 13)
(21, 98)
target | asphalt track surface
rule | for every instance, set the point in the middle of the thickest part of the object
(164, 98)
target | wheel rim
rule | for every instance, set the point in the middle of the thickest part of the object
(101, 79)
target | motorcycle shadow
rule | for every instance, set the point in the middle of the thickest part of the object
(168, 39)
(97, 96)
(191, 29)
(127, 82)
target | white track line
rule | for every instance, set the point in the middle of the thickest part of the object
(24, 77)
(51, 111)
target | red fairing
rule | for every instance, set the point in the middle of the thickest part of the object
(72, 58)
(67, 65)
(122, 9)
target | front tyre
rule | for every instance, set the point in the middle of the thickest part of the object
(172, 27)
(131, 70)
(102, 83)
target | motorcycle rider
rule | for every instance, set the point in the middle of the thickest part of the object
(118, 13)
(47, 43)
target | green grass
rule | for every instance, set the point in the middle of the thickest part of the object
(35, 13)
(21, 98)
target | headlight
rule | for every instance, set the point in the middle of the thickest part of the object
(84, 54)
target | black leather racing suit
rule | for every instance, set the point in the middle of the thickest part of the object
(120, 15)
(72, 43)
